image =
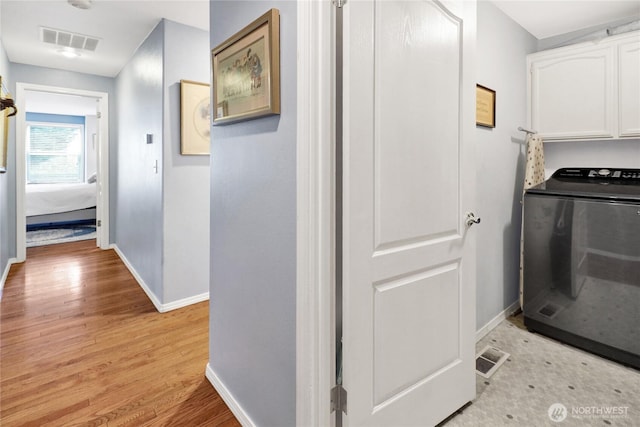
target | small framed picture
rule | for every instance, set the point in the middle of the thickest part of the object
(8, 109)
(4, 137)
(485, 107)
(246, 72)
(195, 118)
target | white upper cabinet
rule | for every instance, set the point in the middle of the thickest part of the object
(629, 88)
(586, 91)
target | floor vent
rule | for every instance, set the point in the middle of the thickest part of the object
(489, 360)
(549, 310)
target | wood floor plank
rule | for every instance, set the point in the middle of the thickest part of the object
(82, 345)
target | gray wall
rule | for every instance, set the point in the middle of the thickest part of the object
(501, 65)
(138, 214)
(7, 182)
(253, 237)
(502, 47)
(186, 178)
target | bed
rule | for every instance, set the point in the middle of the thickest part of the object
(48, 204)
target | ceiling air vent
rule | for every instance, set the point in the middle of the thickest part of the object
(68, 39)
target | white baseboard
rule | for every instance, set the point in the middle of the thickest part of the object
(185, 302)
(480, 333)
(134, 273)
(5, 274)
(228, 398)
(162, 308)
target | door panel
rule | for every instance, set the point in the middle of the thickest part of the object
(417, 52)
(400, 361)
(408, 258)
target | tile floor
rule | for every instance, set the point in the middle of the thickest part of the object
(545, 379)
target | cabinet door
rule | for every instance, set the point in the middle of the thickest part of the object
(572, 95)
(629, 88)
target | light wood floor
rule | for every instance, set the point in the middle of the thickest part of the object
(81, 345)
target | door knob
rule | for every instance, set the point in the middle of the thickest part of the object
(471, 219)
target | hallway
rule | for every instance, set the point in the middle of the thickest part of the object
(81, 344)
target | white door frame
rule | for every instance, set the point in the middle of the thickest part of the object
(315, 327)
(102, 213)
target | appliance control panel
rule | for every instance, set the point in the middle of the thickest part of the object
(600, 174)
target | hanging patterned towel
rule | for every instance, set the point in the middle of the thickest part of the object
(533, 175)
(534, 170)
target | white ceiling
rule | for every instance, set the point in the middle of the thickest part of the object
(122, 25)
(548, 18)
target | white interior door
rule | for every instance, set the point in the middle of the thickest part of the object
(102, 183)
(409, 263)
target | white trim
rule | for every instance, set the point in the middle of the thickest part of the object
(493, 323)
(21, 218)
(162, 308)
(103, 173)
(315, 347)
(184, 302)
(103, 214)
(5, 274)
(228, 398)
(138, 278)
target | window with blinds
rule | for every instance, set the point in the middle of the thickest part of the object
(55, 153)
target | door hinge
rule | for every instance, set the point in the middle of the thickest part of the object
(99, 223)
(338, 399)
(99, 115)
(339, 3)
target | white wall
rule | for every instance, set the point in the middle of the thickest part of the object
(608, 154)
(591, 33)
(186, 178)
(252, 334)
(90, 152)
(501, 65)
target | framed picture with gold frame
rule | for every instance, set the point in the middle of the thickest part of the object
(4, 126)
(246, 72)
(195, 118)
(485, 106)
(4, 136)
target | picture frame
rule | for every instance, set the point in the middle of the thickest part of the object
(246, 72)
(4, 136)
(4, 133)
(485, 106)
(195, 118)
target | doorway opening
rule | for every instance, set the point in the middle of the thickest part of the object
(64, 182)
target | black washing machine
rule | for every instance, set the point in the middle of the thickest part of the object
(582, 260)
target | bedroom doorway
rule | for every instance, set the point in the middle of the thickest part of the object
(93, 159)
